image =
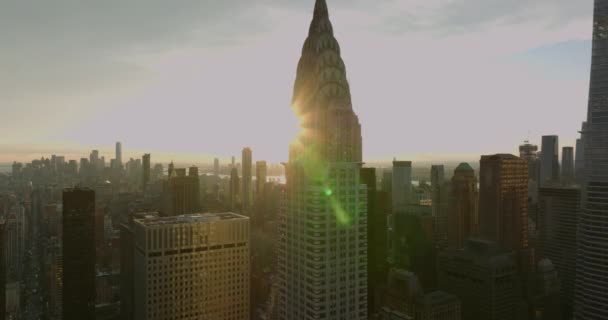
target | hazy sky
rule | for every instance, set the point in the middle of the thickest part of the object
(429, 78)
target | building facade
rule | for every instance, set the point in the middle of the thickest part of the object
(323, 225)
(567, 165)
(462, 217)
(401, 190)
(78, 254)
(591, 296)
(549, 160)
(559, 209)
(503, 200)
(192, 267)
(246, 181)
(485, 278)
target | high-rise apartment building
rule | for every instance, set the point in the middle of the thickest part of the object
(579, 160)
(192, 267)
(234, 188)
(503, 200)
(182, 192)
(402, 185)
(549, 160)
(591, 295)
(437, 182)
(2, 269)
(567, 165)
(559, 209)
(462, 217)
(119, 154)
(261, 173)
(485, 278)
(216, 166)
(323, 244)
(146, 171)
(78, 291)
(246, 193)
(529, 152)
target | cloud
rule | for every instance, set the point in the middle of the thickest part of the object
(462, 16)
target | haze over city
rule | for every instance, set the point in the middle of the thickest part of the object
(197, 79)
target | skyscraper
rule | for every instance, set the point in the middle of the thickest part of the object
(377, 235)
(503, 200)
(485, 278)
(323, 227)
(216, 166)
(246, 194)
(439, 200)
(182, 192)
(462, 216)
(260, 178)
(549, 160)
(591, 296)
(146, 171)
(119, 154)
(529, 152)
(579, 160)
(402, 185)
(234, 188)
(192, 267)
(559, 209)
(2, 269)
(437, 180)
(78, 254)
(567, 165)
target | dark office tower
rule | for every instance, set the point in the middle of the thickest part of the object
(439, 202)
(567, 165)
(171, 170)
(558, 215)
(78, 254)
(2, 269)
(591, 293)
(377, 230)
(503, 200)
(216, 166)
(246, 194)
(323, 227)
(485, 278)
(94, 160)
(119, 154)
(402, 185)
(579, 160)
(233, 163)
(549, 160)
(387, 180)
(437, 179)
(462, 216)
(529, 152)
(234, 188)
(182, 193)
(146, 171)
(127, 251)
(261, 173)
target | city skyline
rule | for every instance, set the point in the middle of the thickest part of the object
(189, 68)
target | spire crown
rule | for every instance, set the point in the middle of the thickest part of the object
(321, 9)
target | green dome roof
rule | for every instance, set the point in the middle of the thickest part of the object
(464, 167)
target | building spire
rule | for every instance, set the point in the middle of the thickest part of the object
(321, 9)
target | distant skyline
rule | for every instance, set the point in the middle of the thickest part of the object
(431, 80)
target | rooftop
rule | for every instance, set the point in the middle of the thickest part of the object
(152, 220)
(464, 167)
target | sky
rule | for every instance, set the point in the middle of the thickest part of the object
(431, 80)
